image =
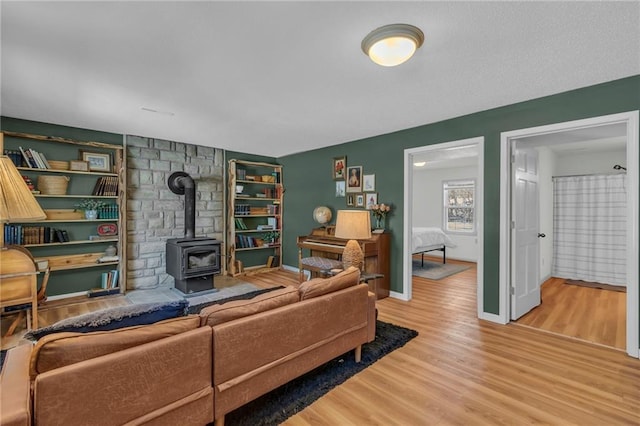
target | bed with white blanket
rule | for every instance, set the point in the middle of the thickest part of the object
(429, 239)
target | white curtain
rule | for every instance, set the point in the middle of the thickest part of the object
(590, 228)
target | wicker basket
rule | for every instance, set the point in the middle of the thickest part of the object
(59, 165)
(53, 185)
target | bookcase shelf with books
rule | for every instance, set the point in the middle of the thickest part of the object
(255, 216)
(88, 170)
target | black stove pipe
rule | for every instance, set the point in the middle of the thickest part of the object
(183, 184)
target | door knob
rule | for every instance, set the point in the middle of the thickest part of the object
(541, 235)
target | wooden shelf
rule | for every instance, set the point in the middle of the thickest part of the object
(74, 172)
(74, 261)
(257, 183)
(275, 246)
(115, 197)
(241, 241)
(82, 182)
(71, 220)
(246, 231)
(69, 243)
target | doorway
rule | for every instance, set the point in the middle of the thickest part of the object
(455, 154)
(511, 270)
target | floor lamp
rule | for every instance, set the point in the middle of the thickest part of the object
(353, 225)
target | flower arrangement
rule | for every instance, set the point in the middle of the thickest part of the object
(380, 212)
(90, 204)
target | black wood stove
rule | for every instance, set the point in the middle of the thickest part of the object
(192, 261)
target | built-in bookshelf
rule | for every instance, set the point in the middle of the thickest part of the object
(255, 216)
(69, 242)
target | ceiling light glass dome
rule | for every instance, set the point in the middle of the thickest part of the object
(393, 44)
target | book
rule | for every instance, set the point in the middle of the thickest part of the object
(44, 160)
(27, 160)
(36, 158)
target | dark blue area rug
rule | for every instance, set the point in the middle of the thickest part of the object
(280, 404)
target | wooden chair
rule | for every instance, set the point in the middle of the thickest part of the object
(18, 283)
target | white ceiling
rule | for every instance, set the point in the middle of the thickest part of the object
(277, 78)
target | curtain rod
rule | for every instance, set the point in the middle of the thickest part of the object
(592, 174)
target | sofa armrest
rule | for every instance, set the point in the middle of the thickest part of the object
(15, 387)
(372, 316)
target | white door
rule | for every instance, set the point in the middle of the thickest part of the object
(525, 255)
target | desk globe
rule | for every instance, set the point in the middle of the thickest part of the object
(322, 215)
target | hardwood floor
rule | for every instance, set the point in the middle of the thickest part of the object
(589, 314)
(464, 371)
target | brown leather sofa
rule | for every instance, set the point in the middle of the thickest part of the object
(189, 370)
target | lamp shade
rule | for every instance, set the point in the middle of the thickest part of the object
(353, 224)
(17, 203)
(393, 44)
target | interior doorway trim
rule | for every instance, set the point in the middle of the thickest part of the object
(407, 219)
(631, 121)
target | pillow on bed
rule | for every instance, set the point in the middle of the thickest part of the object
(113, 318)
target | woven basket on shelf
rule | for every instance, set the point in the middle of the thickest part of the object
(53, 185)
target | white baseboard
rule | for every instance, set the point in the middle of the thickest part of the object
(400, 296)
(67, 295)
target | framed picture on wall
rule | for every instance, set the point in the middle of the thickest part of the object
(351, 200)
(369, 183)
(354, 179)
(371, 199)
(339, 167)
(360, 200)
(340, 188)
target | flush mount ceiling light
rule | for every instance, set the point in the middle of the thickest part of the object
(393, 44)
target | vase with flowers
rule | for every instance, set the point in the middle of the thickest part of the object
(90, 207)
(380, 212)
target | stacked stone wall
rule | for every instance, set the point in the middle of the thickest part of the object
(155, 214)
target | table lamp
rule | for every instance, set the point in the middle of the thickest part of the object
(353, 225)
(17, 203)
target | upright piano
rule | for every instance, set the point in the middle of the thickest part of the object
(377, 256)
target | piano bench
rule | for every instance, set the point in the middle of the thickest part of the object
(317, 264)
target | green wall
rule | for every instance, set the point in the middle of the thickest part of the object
(309, 184)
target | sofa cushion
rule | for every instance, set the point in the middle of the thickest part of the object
(218, 314)
(60, 349)
(113, 318)
(319, 286)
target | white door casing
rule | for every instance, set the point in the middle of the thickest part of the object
(525, 248)
(631, 120)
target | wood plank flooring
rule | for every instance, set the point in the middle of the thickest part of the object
(464, 371)
(590, 314)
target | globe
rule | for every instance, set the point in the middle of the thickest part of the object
(322, 215)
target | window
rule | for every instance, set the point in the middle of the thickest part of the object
(459, 206)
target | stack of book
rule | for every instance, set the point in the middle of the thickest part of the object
(109, 279)
(21, 235)
(34, 159)
(106, 185)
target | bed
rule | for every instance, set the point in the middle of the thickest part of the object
(429, 239)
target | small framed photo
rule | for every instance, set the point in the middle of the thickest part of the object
(98, 162)
(339, 167)
(351, 200)
(360, 200)
(369, 183)
(79, 165)
(371, 199)
(354, 179)
(340, 188)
